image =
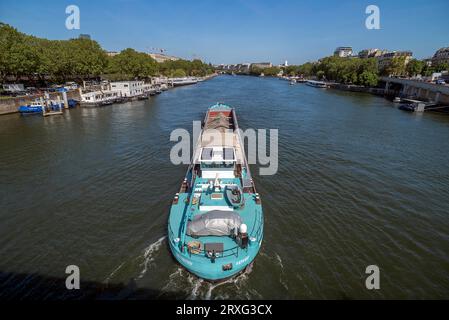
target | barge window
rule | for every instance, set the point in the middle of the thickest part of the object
(217, 165)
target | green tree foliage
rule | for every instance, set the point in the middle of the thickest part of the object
(444, 66)
(255, 71)
(415, 67)
(24, 55)
(428, 70)
(190, 68)
(306, 69)
(272, 71)
(368, 79)
(396, 67)
(178, 73)
(17, 57)
(344, 70)
(291, 70)
(130, 64)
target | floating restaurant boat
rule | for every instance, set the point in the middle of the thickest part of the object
(316, 84)
(215, 226)
(183, 81)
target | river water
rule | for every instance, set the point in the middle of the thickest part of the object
(359, 183)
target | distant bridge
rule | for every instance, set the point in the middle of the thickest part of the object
(417, 90)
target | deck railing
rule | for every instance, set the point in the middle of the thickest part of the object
(257, 226)
(221, 254)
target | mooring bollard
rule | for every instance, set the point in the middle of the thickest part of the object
(60, 103)
(42, 105)
(66, 101)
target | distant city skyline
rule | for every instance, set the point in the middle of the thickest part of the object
(240, 31)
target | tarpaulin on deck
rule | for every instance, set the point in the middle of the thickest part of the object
(214, 223)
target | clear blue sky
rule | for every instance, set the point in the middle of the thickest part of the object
(232, 31)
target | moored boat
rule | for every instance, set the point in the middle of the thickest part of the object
(407, 107)
(99, 98)
(316, 84)
(215, 226)
(183, 81)
(34, 107)
(37, 107)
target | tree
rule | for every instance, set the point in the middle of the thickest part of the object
(443, 66)
(191, 68)
(306, 70)
(178, 73)
(415, 67)
(396, 67)
(132, 64)
(320, 74)
(24, 55)
(272, 71)
(368, 79)
(256, 71)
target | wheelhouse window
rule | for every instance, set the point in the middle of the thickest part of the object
(217, 158)
(217, 165)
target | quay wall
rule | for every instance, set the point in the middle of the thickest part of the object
(429, 93)
(11, 105)
(419, 90)
(355, 88)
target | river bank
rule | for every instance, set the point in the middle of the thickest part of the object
(11, 105)
(356, 88)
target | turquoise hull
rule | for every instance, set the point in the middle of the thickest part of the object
(212, 234)
(214, 271)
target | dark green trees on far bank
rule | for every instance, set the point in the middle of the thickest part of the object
(344, 70)
(348, 71)
(130, 64)
(22, 55)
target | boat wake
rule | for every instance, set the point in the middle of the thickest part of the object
(276, 260)
(196, 288)
(279, 261)
(148, 256)
(112, 274)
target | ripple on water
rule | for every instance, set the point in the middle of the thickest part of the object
(359, 183)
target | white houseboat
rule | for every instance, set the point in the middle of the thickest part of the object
(183, 81)
(98, 98)
(128, 89)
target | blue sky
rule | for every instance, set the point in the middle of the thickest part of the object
(232, 31)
